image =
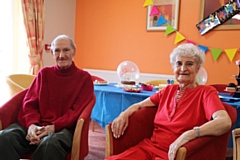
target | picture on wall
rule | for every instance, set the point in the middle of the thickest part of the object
(162, 13)
(208, 7)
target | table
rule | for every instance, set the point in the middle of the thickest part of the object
(112, 100)
(235, 102)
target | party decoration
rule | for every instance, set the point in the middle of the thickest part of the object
(218, 17)
(188, 41)
(154, 11)
(169, 29)
(179, 37)
(128, 71)
(230, 53)
(204, 48)
(147, 3)
(161, 21)
(202, 76)
(216, 53)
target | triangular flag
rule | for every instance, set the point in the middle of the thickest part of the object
(231, 53)
(154, 11)
(216, 53)
(147, 3)
(188, 41)
(204, 48)
(161, 21)
(179, 37)
(169, 29)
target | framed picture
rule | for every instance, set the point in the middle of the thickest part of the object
(208, 7)
(162, 13)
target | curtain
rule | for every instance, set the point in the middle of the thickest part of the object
(33, 13)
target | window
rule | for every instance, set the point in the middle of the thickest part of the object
(13, 48)
(13, 41)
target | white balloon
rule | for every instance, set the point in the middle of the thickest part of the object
(202, 76)
(128, 71)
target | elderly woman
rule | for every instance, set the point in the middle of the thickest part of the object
(185, 111)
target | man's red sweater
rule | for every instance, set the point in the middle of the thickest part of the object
(56, 96)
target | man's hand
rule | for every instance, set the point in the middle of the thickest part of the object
(33, 132)
(36, 133)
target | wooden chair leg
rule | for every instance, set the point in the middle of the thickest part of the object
(92, 122)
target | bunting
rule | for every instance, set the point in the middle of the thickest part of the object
(147, 3)
(154, 11)
(169, 30)
(231, 53)
(161, 21)
(179, 37)
(216, 53)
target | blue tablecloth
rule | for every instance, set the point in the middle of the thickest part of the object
(235, 102)
(112, 100)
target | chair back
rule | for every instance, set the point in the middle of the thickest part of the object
(19, 82)
(220, 87)
(97, 78)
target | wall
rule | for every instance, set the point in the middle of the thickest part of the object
(109, 32)
(59, 19)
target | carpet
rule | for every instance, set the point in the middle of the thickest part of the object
(96, 143)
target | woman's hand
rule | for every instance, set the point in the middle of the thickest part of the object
(184, 138)
(119, 125)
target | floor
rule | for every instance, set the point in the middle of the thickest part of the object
(96, 143)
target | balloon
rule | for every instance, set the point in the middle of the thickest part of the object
(202, 76)
(128, 71)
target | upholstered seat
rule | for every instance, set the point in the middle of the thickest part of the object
(19, 82)
(141, 126)
(9, 112)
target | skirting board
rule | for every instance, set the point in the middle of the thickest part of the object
(111, 76)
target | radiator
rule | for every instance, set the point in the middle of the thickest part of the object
(111, 76)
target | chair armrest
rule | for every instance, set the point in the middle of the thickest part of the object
(9, 110)
(80, 137)
(236, 144)
(140, 126)
(211, 146)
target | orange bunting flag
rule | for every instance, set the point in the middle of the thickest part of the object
(169, 29)
(231, 53)
(179, 37)
(154, 11)
(147, 3)
(216, 53)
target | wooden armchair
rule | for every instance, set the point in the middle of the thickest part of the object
(9, 112)
(236, 144)
(141, 126)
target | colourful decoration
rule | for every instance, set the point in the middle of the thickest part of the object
(161, 21)
(230, 53)
(154, 11)
(169, 30)
(188, 41)
(147, 3)
(216, 53)
(204, 48)
(179, 37)
(218, 17)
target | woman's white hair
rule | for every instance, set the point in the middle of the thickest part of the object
(187, 50)
(65, 37)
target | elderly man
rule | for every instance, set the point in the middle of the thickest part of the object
(50, 108)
